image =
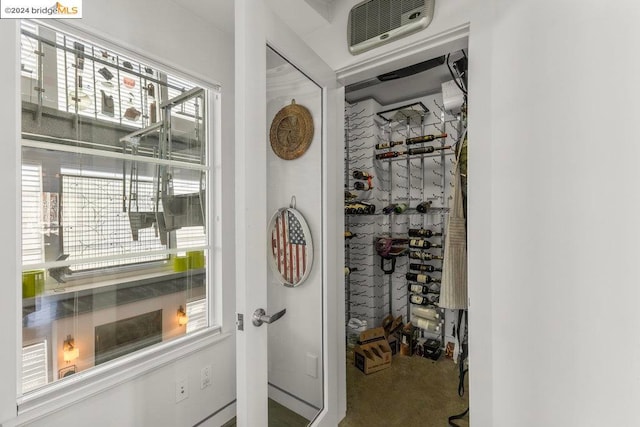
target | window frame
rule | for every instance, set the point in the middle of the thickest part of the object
(65, 392)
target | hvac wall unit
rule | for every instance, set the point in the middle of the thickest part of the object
(405, 179)
(375, 22)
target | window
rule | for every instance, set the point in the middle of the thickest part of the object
(116, 185)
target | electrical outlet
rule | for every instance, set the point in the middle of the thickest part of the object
(205, 376)
(182, 390)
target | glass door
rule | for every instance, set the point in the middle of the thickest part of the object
(294, 206)
(288, 138)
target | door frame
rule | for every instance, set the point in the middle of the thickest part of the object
(455, 38)
(256, 26)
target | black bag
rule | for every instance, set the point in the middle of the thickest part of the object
(104, 72)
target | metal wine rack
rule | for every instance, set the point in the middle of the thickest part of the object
(409, 179)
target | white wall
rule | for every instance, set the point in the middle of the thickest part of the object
(553, 203)
(169, 34)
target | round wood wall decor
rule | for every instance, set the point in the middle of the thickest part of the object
(291, 131)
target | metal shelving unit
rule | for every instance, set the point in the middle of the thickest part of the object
(409, 179)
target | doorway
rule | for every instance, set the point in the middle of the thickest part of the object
(406, 339)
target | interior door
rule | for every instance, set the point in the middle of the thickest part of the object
(277, 359)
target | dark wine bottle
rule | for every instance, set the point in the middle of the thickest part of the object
(348, 195)
(423, 244)
(424, 138)
(421, 232)
(424, 206)
(420, 278)
(425, 256)
(389, 209)
(360, 208)
(359, 185)
(361, 175)
(389, 144)
(423, 299)
(389, 154)
(423, 267)
(426, 150)
(400, 207)
(357, 208)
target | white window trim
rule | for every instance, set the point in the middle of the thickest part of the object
(85, 384)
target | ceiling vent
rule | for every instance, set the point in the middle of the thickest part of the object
(375, 22)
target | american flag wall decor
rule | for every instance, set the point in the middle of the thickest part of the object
(291, 246)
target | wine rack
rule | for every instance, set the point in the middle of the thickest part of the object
(417, 178)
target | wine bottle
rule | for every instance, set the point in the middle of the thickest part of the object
(353, 207)
(348, 270)
(421, 278)
(359, 185)
(359, 208)
(424, 244)
(380, 146)
(424, 138)
(361, 175)
(426, 324)
(426, 150)
(417, 288)
(423, 267)
(348, 195)
(389, 154)
(423, 299)
(389, 209)
(400, 207)
(369, 208)
(421, 232)
(425, 256)
(427, 313)
(383, 145)
(424, 206)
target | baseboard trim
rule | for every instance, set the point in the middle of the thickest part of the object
(219, 417)
(294, 403)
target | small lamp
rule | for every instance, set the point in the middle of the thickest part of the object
(182, 317)
(70, 351)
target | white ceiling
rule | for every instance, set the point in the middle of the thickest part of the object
(217, 12)
(307, 16)
(302, 16)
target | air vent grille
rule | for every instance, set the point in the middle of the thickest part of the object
(377, 17)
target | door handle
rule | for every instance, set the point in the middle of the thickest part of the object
(260, 316)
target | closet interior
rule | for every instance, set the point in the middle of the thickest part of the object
(405, 242)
